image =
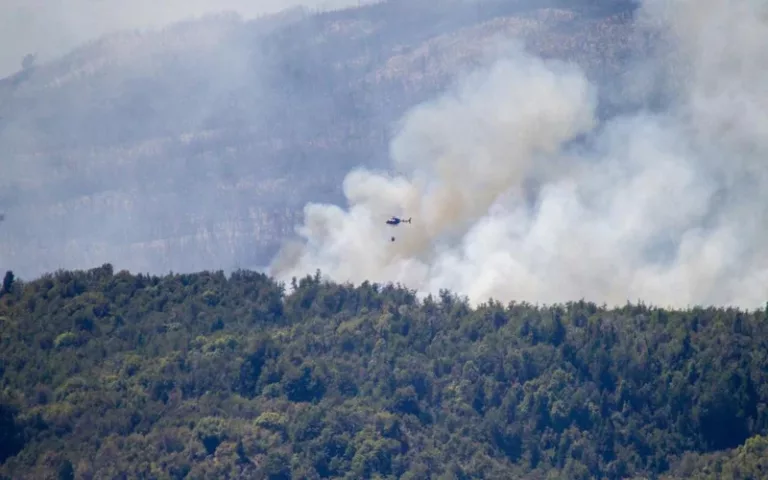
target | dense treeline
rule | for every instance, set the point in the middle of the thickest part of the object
(114, 375)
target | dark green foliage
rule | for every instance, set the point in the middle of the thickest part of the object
(8, 282)
(66, 471)
(11, 440)
(113, 375)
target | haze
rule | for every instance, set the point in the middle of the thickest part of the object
(545, 153)
(53, 27)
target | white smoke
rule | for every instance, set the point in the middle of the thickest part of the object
(663, 207)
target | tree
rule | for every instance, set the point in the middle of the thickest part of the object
(8, 282)
(11, 440)
(66, 471)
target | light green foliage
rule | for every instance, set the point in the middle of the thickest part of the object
(66, 339)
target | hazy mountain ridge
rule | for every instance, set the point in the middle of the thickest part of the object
(160, 140)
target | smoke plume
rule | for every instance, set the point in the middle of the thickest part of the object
(518, 192)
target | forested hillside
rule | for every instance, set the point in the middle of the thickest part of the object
(114, 375)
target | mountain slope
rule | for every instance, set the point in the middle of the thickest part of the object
(197, 146)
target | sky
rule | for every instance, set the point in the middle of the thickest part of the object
(50, 28)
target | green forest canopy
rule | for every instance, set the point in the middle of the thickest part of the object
(115, 375)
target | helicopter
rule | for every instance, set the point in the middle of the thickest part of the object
(394, 221)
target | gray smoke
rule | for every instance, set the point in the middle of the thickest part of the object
(517, 192)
